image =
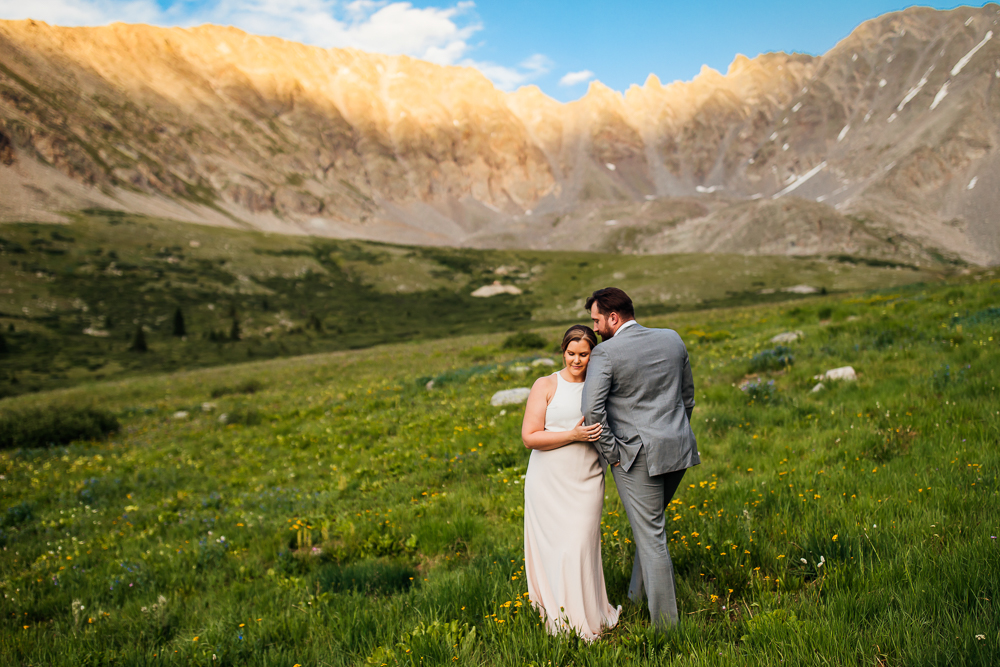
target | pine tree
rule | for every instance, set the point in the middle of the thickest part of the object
(3, 345)
(179, 329)
(234, 333)
(315, 323)
(139, 341)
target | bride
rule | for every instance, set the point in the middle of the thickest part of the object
(563, 496)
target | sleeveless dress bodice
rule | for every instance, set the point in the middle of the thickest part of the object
(564, 410)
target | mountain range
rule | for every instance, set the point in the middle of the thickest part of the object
(884, 147)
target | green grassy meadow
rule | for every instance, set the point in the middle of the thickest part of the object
(72, 297)
(343, 514)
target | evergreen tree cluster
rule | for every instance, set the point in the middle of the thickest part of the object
(179, 330)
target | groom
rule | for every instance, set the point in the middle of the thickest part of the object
(640, 389)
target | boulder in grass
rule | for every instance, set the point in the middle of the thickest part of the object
(510, 396)
(543, 362)
(181, 414)
(495, 289)
(819, 387)
(842, 373)
(788, 337)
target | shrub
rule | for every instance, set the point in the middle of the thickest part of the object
(943, 377)
(369, 577)
(708, 336)
(524, 340)
(139, 341)
(44, 428)
(246, 387)
(759, 392)
(16, 515)
(241, 415)
(180, 330)
(775, 359)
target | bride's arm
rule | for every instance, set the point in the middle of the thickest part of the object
(533, 431)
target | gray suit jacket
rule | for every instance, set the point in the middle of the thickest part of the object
(639, 387)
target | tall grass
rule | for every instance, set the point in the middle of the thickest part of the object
(852, 526)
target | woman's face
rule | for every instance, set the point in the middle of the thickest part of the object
(577, 356)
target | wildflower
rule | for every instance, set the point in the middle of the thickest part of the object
(980, 637)
(804, 561)
(835, 538)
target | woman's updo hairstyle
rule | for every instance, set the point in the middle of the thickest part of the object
(579, 332)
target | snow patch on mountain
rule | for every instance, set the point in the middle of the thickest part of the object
(941, 94)
(968, 56)
(801, 179)
(913, 92)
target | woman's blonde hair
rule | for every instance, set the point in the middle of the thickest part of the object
(579, 332)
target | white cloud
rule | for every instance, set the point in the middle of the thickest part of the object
(573, 78)
(509, 78)
(437, 34)
(81, 12)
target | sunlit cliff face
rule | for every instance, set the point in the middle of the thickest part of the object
(895, 127)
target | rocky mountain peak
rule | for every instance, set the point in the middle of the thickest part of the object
(888, 141)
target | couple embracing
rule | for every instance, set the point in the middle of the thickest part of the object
(625, 403)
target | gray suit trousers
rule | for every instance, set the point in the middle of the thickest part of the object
(645, 498)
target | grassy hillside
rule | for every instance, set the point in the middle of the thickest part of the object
(343, 514)
(73, 297)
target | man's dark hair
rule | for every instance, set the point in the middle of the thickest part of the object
(612, 300)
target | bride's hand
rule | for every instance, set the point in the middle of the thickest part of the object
(585, 433)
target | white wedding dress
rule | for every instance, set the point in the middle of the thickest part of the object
(563, 497)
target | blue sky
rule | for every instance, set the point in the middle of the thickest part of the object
(559, 46)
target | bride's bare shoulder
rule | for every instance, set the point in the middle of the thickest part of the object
(546, 385)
